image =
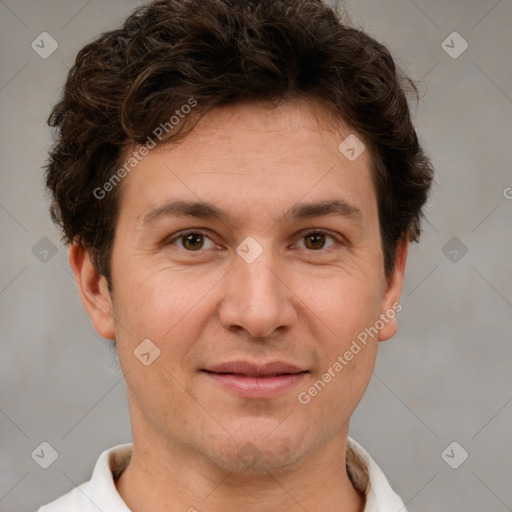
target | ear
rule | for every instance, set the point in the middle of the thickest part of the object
(93, 291)
(391, 299)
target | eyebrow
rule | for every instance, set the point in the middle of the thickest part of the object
(206, 210)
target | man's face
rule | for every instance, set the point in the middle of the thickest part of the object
(250, 287)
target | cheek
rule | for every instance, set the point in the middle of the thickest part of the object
(154, 302)
(345, 312)
(156, 329)
(339, 392)
(171, 309)
(330, 396)
(345, 303)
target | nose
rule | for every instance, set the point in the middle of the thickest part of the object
(257, 297)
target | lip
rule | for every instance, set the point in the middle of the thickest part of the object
(255, 370)
(251, 380)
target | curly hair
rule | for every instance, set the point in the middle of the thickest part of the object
(129, 81)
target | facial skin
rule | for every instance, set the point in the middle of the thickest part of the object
(302, 301)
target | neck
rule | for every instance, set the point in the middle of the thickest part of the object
(165, 476)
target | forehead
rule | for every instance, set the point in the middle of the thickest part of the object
(241, 155)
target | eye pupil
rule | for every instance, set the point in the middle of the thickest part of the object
(317, 238)
(193, 239)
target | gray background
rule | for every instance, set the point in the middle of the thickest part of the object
(445, 377)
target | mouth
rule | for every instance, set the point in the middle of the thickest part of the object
(250, 380)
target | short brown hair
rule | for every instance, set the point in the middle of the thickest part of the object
(129, 81)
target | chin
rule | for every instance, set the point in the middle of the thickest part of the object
(261, 452)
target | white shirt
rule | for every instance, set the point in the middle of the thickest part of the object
(100, 492)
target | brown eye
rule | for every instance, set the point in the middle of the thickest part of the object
(192, 241)
(316, 240)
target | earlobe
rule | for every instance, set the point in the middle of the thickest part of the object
(391, 300)
(93, 291)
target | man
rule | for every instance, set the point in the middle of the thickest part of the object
(239, 182)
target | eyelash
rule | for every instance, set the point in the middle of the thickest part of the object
(184, 233)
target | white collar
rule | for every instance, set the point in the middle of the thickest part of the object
(100, 491)
(369, 479)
